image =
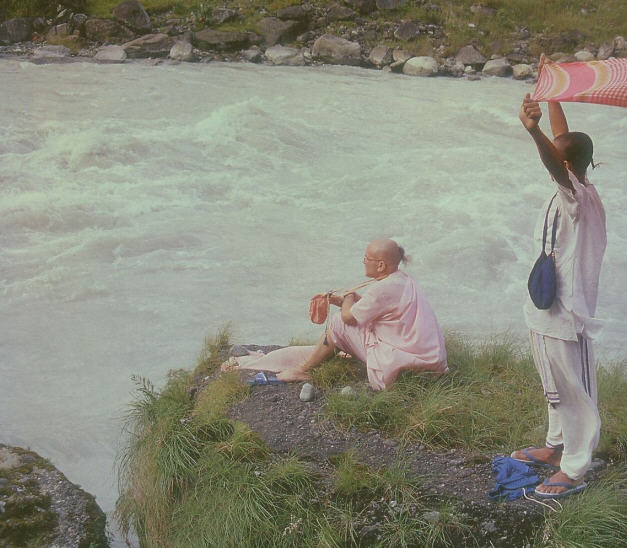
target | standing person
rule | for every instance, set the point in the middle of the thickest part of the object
(561, 335)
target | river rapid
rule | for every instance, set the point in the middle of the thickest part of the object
(143, 207)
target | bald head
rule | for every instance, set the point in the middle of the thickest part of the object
(388, 251)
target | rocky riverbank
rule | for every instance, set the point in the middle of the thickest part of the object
(365, 33)
(40, 507)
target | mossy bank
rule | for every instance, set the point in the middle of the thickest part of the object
(211, 461)
(454, 38)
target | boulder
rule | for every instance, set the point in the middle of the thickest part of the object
(584, 55)
(468, 55)
(333, 49)
(362, 6)
(58, 30)
(280, 55)
(77, 22)
(522, 71)
(335, 12)
(15, 30)
(390, 4)
(222, 15)
(182, 51)
(381, 56)
(561, 57)
(620, 47)
(401, 55)
(293, 13)
(222, 40)
(497, 67)
(132, 14)
(111, 54)
(51, 52)
(274, 30)
(252, 55)
(107, 30)
(606, 50)
(452, 67)
(149, 45)
(421, 66)
(407, 31)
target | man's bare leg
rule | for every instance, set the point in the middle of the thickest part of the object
(323, 350)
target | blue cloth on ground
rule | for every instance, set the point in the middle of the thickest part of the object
(511, 477)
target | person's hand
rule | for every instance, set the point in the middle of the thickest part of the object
(530, 113)
(336, 300)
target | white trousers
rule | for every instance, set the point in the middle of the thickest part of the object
(568, 376)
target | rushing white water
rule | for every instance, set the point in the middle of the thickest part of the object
(143, 207)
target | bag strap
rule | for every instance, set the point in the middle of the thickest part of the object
(546, 222)
(346, 291)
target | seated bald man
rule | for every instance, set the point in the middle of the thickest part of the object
(392, 327)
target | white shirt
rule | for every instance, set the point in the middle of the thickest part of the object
(579, 247)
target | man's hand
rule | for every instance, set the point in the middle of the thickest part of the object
(336, 300)
(530, 113)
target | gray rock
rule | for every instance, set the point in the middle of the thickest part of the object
(307, 392)
(597, 464)
(401, 55)
(620, 47)
(107, 30)
(335, 12)
(149, 45)
(606, 50)
(390, 4)
(59, 30)
(222, 40)
(280, 55)
(468, 55)
(222, 15)
(497, 67)
(292, 13)
(252, 55)
(421, 66)
(132, 14)
(362, 6)
(111, 54)
(561, 57)
(522, 71)
(274, 30)
(452, 67)
(348, 392)
(380, 56)
(15, 30)
(182, 51)
(407, 31)
(39, 25)
(51, 52)
(432, 517)
(396, 66)
(489, 526)
(77, 22)
(584, 55)
(238, 350)
(333, 49)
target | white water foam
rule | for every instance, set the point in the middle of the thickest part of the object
(143, 207)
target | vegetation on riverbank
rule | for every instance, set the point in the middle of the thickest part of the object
(492, 26)
(192, 477)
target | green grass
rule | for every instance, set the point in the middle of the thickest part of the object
(189, 476)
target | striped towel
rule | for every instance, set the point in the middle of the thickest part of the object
(601, 82)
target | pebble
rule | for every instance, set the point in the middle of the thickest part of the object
(348, 392)
(432, 517)
(307, 392)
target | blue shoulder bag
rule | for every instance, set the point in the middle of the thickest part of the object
(542, 282)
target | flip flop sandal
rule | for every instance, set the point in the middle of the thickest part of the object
(533, 461)
(571, 489)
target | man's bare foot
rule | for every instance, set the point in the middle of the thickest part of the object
(229, 365)
(296, 374)
(558, 484)
(542, 456)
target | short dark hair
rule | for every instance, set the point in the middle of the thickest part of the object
(577, 148)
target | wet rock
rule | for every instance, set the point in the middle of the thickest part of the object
(149, 45)
(252, 55)
(421, 66)
(132, 14)
(335, 12)
(222, 40)
(468, 55)
(182, 51)
(584, 55)
(107, 30)
(522, 71)
(497, 67)
(333, 49)
(15, 30)
(51, 52)
(111, 54)
(452, 67)
(380, 56)
(390, 4)
(274, 30)
(407, 31)
(307, 392)
(280, 55)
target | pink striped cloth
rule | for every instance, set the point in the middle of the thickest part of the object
(601, 82)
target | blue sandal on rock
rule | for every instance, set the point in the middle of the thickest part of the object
(570, 489)
(533, 461)
(261, 379)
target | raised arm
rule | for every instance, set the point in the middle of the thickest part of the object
(557, 118)
(530, 115)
